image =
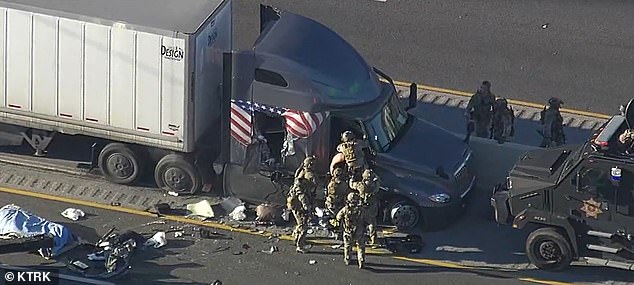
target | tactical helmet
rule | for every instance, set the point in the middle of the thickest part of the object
(347, 136)
(308, 161)
(368, 174)
(337, 172)
(555, 101)
(353, 198)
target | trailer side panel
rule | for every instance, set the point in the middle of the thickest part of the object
(86, 78)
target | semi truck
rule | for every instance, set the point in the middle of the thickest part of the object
(577, 201)
(161, 83)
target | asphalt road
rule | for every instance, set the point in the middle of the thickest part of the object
(187, 260)
(531, 50)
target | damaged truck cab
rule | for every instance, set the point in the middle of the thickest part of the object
(578, 200)
(308, 87)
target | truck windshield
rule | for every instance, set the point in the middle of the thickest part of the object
(571, 161)
(386, 125)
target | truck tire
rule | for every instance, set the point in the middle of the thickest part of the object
(177, 173)
(548, 249)
(404, 215)
(119, 164)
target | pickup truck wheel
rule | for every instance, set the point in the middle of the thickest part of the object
(404, 215)
(176, 173)
(548, 249)
(119, 164)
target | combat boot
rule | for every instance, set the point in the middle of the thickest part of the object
(361, 264)
(346, 261)
(300, 250)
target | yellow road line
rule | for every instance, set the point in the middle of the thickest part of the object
(512, 101)
(224, 227)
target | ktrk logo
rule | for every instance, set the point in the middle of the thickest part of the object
(173, 53)
(27, 277)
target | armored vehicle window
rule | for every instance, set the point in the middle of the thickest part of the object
(595, 181)
(270, 77)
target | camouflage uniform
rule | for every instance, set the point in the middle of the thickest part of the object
(352, 151)
(480, 110)
(626, 141)
(336, 192)
(552, 121)
(352, 220)
(503, 120)
(368, 189)
(307, 171)
(299, 201)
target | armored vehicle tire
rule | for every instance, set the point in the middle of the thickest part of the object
(177, 173)
(119, 164)
(404, 215)
(548, 249)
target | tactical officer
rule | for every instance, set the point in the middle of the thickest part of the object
(352, 220)
(479, 111)
(307, 171)
(502, 128)
(368, 189)
(352, 151)
(553, 124)
(626, 141)
(336, 192)
(299, 201)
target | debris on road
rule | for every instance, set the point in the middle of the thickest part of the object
(238, 213)
(16, 222)
(271, 250)
(178, 234)
(73, 214)
(267, 213)
(312, 262)
(172, 193)
(545, 26)
(157, 241)
(201, 209)
(448, 248)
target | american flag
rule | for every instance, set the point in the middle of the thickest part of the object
(299, 124)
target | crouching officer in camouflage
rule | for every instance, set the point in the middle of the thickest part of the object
(368, 189)
(352, 151)
(553, 124)
(352, 220)
(299, 201)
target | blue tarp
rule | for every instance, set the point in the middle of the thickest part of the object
(16, 222)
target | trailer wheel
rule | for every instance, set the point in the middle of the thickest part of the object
(119, 164)
(177, 173)
(548, 249)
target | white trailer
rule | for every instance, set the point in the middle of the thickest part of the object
(143, 74)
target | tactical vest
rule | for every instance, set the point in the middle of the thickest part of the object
(349, 152)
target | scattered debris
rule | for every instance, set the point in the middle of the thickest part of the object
(238, 253)
(201, 209)
(271, 250)
(116, 204)
(172, 193)
(457, 249)
(216, 282)
(312, 262)
(157, 241)
(319, 212)
(246, 246)
(238, 213)
(160, 209)
(408, 244)
(545, 26)
(96, 256)
(80, 265)
(178, 234)
(310, 231)
(267, 213)
(73, 214)
(336, 246)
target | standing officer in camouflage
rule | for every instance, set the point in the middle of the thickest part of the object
(336, 192)
(352, 219)
(299, 201)
(352, 151)
(479, 111)
(307, 171)
(502, 128)
(553, 124)
(368, 189)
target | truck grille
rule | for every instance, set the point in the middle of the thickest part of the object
(463, 178)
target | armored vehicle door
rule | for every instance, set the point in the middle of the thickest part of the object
(624, 196)
(588, 194)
